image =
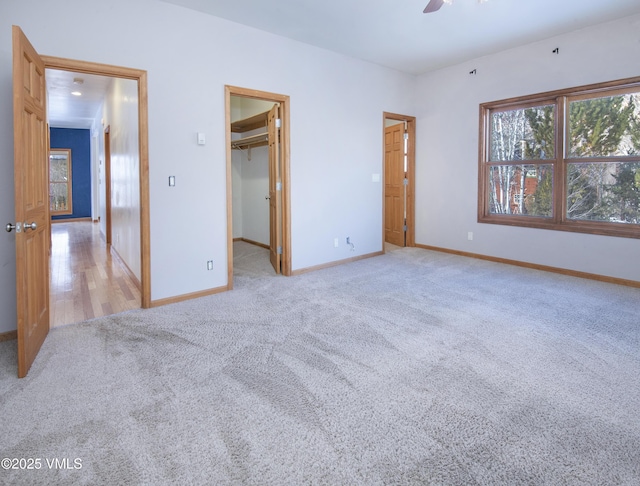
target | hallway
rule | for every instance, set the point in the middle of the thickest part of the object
(86, 281)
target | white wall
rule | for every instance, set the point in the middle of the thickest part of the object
(255, 187)
(7, 240)
(95, 174)
(336, 107)
(447, 147)
(121, 115)
(236, 174)
(249, 106)
(236, 189)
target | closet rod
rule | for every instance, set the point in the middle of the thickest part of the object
(261, 138)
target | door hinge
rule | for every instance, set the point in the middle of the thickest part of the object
(278, 186)
(278, 123)
(279, 250)
(404, 228)
(405, 182)
(406, 136)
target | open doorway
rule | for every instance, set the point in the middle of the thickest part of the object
(109, 252)
(251, 163)
(258, 206)
(32, 191)
(399, 181)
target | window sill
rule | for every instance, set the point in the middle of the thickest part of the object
(621, 230)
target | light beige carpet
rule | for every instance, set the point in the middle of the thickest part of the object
(410, 368)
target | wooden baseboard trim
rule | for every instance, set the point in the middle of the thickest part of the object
(251, 242)
(8, 336)
(336, 263)
(116, 256)
(535, 266)
(193, 295)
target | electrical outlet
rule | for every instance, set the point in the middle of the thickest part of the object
(470, 235)
(336, 242)
(210, 265)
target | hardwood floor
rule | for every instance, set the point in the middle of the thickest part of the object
(86, 280)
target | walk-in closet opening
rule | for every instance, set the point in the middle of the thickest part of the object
(258, 161)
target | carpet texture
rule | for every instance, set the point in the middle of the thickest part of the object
(414, 367)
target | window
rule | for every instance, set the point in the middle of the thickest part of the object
(60, 181)
(567, 160)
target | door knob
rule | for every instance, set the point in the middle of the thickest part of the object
(32, 226)
(10, 227)
(267, 197)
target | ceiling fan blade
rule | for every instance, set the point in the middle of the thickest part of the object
(433, 6)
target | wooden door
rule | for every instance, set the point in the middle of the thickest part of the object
(394, 189)
(275, 226)
(31, 200)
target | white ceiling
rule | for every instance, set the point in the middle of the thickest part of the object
(68, 111)
(392, 33)
(395, 33)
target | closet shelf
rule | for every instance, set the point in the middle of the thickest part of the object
(246, 125)
(251, 123)
(259, 140)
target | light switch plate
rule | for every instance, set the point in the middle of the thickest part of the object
(201, 138)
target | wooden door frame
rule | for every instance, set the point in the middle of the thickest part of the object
(143, 147)
(275, 204)
(107, 183)
(410, 238)
(284, 176)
